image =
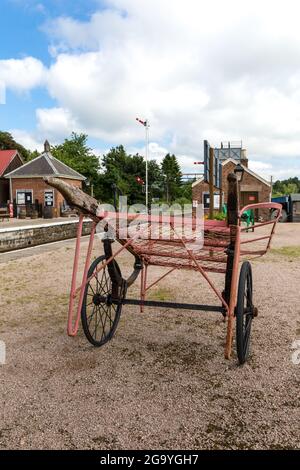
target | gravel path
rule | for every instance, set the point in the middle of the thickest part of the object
(163, 381)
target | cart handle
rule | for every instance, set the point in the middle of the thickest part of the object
(263, 205)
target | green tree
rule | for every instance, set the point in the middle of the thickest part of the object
(122, 169)
(7, 142)
(287, 186)
(185, 191)
(172, 177)
(76, 153)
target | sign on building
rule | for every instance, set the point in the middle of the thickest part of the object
(49, 198)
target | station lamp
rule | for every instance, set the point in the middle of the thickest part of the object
(239, 172)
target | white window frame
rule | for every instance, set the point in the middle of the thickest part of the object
(23, 191)
(216, 193)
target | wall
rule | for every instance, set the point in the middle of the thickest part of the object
(249, 183)
(4, 191)
(24, 237)
(39, 186)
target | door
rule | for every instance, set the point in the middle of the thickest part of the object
(28, 197)
(249, 197)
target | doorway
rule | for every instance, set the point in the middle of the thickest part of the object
(249, 197)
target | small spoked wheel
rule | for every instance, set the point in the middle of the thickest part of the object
(102, 302)
(245, 311)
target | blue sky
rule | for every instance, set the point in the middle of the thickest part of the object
(93, 66)
(22, 34)
(22, 22)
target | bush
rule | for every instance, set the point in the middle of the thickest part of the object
(219, 216)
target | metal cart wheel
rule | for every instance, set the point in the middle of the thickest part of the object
(245, 311)
(102, 302)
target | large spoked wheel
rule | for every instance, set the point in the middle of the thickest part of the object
(245, 311)
(102, 303)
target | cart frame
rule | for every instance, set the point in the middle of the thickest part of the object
(228, 252)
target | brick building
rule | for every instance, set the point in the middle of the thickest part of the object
(27, 187)
(9, 161)
(253, 188)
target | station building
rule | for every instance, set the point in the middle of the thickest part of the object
(28, 188)
(253, 187)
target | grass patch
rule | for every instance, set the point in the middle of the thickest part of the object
(287, 251)
(160, 293)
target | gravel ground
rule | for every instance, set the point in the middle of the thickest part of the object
(162, 382)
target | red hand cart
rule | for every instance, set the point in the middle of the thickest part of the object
(103, 290)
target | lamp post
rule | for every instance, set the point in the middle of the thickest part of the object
(90, 185)
(147, 126)
(239, 173)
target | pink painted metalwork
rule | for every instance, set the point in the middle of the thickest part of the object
(164, 246)
(73, 329)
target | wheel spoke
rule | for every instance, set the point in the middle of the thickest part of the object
(107, 313)
(244, 312)
(98, 285)
(246, 342)
(107, 284)
(103, 274)
(104, 322)
(103, 330)
(247, 326)
(90, 285)
(99, 315)
(95, 330)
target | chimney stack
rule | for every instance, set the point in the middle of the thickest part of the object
(244, 159)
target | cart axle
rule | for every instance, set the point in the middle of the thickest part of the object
(108, 300)
(156, 303)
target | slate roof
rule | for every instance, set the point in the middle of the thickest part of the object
(6, 156)
(45, 165)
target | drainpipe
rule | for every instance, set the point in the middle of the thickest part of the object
(10, 190)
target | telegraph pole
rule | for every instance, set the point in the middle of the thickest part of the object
(271, 181)
(211, 182)
(147, 126)
(147, 157)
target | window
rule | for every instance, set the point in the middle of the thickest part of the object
(205, 197)
(24, 196)
(20, 198)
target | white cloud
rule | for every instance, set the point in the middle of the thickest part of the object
(22, 74)
(29, 140)
(258, 166)
(2, 92)
(55, 123)
(198, 70)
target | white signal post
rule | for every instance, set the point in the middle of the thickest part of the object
(147, 126)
